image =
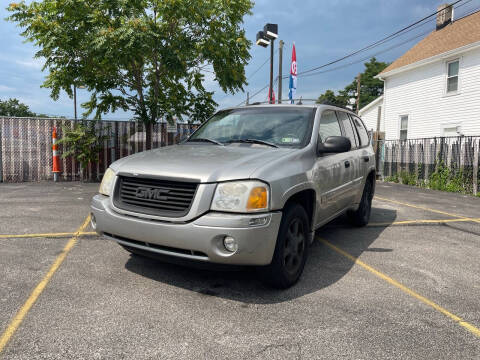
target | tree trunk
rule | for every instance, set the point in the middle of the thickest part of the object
(148, 136)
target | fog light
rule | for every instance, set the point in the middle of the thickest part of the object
(93, 222)
(230, 244)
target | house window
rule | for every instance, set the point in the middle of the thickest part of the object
(452, 76)
(403, 127)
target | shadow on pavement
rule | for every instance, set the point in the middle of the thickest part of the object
(324, 266)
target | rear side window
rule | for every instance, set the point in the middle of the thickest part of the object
(362, 132)
(329, 125)
(349, 130)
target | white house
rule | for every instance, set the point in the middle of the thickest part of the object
(372, 115)
(434, 88)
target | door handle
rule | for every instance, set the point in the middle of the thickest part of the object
(347, 164)
(366, 158)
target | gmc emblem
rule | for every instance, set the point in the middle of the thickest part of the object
(151, 193)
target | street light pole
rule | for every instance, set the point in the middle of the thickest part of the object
(265, 38)
(75, 100)
(280, 63)
(359, 77)
(270, 92)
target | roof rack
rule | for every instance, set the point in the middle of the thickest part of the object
(298, 101)
(332, 104)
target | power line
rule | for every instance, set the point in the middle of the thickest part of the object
(261, 66)
(376, 43)
(382, 51)
(367, 57)
(382, 41)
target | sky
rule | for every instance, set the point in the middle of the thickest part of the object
(322, 30)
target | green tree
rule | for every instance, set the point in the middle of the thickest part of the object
(370, 88)
(329, 97)
(13, 107)
(83, 143)
(146, 56)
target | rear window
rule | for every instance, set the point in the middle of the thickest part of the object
(349, 130)
(362, 132)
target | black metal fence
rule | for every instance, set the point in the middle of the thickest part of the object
(421, 158)
(26, 146)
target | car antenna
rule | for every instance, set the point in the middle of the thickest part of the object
(300, 101)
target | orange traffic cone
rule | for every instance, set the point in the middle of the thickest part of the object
(56, 160)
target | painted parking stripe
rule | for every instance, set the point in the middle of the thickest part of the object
(48, 235)
(423, 208)
(422, 221)
(23, 311)
(474, 330)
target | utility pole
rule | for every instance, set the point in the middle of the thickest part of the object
(270, 91)
(280, 62)
(75, 100)
(248, 98)
(358, 91)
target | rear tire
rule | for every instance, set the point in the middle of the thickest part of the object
(361, 216)
(291, 249)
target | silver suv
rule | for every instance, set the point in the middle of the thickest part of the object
(249, 187)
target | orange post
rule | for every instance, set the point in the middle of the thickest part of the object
(56, 160)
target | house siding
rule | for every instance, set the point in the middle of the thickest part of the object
(420, 94)
(370, 117)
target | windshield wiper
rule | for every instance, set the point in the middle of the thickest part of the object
(205, 140)
(253, 141)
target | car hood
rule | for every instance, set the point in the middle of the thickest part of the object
(201, 162)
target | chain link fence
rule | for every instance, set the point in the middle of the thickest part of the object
(26, 146)
(427, 161)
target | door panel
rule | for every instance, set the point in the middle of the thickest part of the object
(352, 156)
(330, 175)
(364, 154)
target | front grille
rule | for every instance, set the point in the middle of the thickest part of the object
(154, 196)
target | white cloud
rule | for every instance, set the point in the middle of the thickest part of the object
(33, 63)
(4, 88)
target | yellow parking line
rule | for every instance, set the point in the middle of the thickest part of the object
(474, 330)
(427, 221)
(13, 236)
(17, 320)
(418, 207)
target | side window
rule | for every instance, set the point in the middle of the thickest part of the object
(403, 127)
(362, 132)
(329, 125)
(349, 130)
(452, 76)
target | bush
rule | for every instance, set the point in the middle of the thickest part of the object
(407, 178)
(83, 143)
(393, 178)
(446, 179)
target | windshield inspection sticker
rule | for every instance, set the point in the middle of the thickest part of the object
(290, 140)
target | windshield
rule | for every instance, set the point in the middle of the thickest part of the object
(280, 126)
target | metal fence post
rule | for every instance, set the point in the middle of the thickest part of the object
(476, 150)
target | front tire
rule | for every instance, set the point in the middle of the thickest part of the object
(361, 216)
(291, 250)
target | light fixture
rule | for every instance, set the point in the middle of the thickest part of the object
(262, 40)
(271, 31)
(230, 244)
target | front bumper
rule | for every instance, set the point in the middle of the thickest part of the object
(200, 239)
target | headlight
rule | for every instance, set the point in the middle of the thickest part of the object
(107, 182)
(241, 196)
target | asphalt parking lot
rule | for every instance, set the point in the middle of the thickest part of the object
(407, 286)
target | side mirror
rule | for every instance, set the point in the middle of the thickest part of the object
(334, 144)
